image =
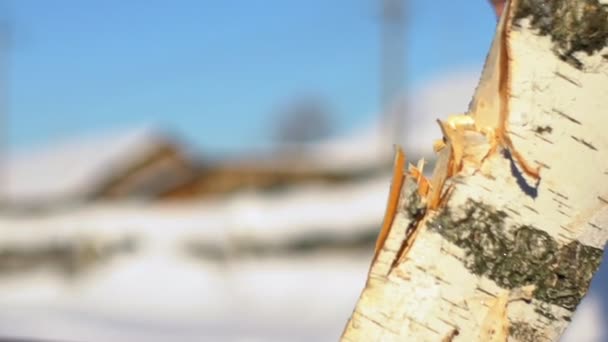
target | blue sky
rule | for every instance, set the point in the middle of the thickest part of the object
(215, 71)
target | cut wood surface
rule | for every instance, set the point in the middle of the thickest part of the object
(501, 243)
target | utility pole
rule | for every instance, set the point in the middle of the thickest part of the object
(393, 68)
(4, 119)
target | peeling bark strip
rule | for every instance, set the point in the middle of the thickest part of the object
(519, 256)
(393, 199)
(492, 248)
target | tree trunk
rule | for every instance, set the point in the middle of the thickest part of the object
(502, 242)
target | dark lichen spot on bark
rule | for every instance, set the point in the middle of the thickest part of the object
(519, 256)
(415, 207)
(574, 25)
(524, 332)
(546, 312)
(571, 271)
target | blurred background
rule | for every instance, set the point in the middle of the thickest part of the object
(202, 170)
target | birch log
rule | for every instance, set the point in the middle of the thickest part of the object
(502, 242)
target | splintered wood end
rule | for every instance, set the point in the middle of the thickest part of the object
(393, 198)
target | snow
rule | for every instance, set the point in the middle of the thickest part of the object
(160, 293)
(163, 298)
(295, 213)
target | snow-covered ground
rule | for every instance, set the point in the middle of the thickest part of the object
(158, 292)
(160, 298)
(164, 298)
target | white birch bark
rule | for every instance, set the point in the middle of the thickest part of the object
(507, 256)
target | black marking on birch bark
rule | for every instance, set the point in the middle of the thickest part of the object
(572, 81)
(486, 292)
(451, 335)
(524, 332)
(513, 211)
(595, 226)
(543, 139)
(574, 25)
(586, 143)
(566, 116)
(528, 189)
(515, 134)
(531, 209)
(561, 203)
(543, 129)
(558, 193)
(519, 256)
(542, 164)
(417, 322)
(451, 324)
(567, 229)
(454, 304)
(605, 201)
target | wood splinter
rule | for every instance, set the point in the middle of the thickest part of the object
(398, 178)
(393, 199)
